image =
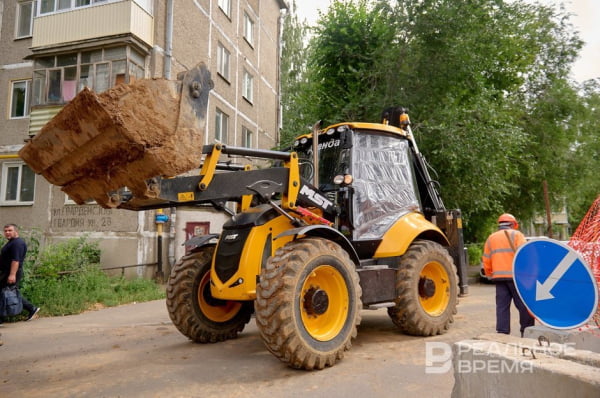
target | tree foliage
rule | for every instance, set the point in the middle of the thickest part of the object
(349, 42)
(583, 185)
(487, 84)
(293, 70)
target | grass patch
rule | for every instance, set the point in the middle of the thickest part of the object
(65, 279)
(86, 289)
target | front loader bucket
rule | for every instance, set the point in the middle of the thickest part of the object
(100, 143)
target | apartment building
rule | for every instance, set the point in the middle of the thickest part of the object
(51, 49)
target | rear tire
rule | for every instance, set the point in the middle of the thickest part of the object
(426, 288)
(308, 303)
(194, 312)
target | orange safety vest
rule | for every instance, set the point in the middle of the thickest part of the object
(499, 252)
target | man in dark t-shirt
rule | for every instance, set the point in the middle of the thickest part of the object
(12, 256)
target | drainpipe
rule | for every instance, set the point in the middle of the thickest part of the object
(160, 219)
(167, 75)
(1, 14)
(171, 253)
(280, 23)
(168, 39)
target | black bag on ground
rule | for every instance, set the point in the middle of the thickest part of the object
(11, 303)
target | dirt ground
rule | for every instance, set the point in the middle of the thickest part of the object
(135, 351)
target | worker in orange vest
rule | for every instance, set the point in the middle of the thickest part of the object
(498, 255)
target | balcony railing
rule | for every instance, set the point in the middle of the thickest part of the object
(40, 115)
(88, 23)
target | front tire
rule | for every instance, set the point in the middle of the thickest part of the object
(426, 288)
(193, 310)
(308, 303)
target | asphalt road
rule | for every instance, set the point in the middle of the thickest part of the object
(135, 351)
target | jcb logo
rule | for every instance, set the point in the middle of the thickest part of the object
(316, 198)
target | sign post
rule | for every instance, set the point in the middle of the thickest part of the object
(555, 283)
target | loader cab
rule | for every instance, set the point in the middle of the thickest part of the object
(367, 171)
(335, 146)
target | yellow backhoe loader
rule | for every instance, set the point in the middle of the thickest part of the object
(347, 219)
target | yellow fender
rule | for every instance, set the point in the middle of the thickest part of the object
(399, 237)
(241, 286)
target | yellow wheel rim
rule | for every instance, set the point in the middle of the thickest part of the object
(434, 288)
(214, 309)
(324, 303)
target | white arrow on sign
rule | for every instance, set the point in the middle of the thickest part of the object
(542, 290)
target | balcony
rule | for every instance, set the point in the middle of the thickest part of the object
(40, 115)
(80, 25)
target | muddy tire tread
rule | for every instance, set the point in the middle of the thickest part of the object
(181, 306)
(274, 306)
(407, 314)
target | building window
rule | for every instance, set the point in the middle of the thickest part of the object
(58, 78)
(19, 99)
(223, 61)
(248, 29)
(247, 84)
(246, 137)
(25, 12)
(18, 184)
(225, 6)
(69, 201)
(221, 126)
(52, 6)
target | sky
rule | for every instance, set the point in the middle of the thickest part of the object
(586, 20)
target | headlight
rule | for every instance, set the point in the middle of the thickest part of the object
(343, 179)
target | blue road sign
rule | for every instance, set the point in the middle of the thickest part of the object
(555, 283)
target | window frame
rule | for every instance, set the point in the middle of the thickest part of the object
(73, 6)
(71, 202)
(26, 102)
(248, 86)
(223, 62)
(225, 7)
(18, 21)
(100, 61)
(221, 126)
(3, 185)
(247, 136)
(248, 29)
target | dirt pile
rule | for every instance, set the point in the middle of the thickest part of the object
(100, 143)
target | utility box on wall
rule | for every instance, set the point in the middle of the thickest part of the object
(195, 228)
(190, 222)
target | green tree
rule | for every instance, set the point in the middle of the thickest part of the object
(346, 80)
(481, 69)
(486, 82)
(550, 136)
(293, 70)
(551, 111)
(585, 153)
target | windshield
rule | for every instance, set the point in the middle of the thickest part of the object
(334, 159)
